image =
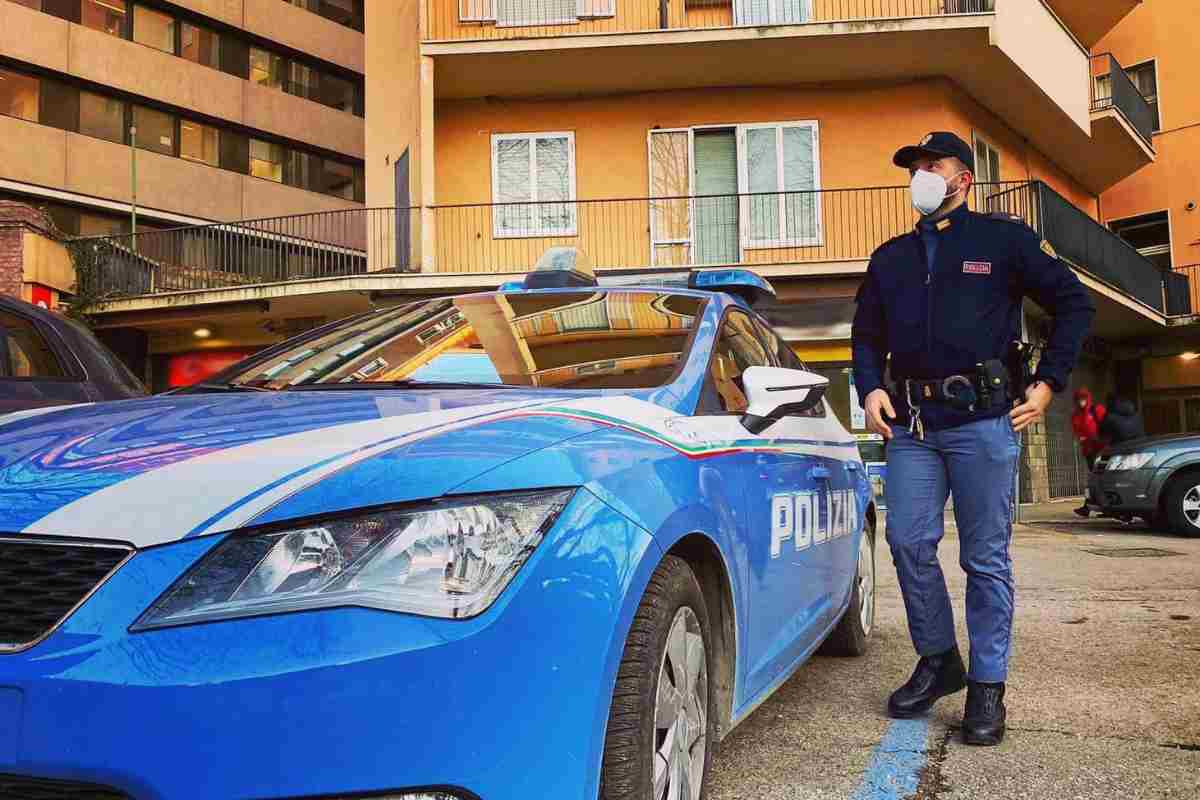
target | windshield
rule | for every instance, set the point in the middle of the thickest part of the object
(565, 340)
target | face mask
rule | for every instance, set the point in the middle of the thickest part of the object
(928, 191)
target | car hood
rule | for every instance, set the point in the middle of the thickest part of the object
(156, 470)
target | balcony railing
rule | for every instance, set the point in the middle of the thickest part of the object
(329, 244)
(1183, 290)
(833, 230)
(1112, 88)
(467, 20)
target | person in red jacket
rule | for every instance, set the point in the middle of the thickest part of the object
(1085, 422)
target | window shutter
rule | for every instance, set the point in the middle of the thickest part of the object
(476, 10)
(594, 9)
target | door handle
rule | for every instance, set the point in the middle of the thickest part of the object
(819, 473)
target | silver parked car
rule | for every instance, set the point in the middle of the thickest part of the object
(1156, 478)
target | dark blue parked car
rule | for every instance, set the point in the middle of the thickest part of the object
(47, 359)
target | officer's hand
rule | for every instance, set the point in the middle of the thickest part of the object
(1037, 400)
(877, 405)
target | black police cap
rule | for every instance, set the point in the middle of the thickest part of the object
(936, 145)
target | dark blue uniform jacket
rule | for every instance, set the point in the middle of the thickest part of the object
(966, 310)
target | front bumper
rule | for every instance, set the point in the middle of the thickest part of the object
(511, 704)
(1122, 491)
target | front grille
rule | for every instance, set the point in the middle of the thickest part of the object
(42, 581)
(16, 787)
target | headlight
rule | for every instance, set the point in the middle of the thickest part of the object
(447, 559)
(1129, 461)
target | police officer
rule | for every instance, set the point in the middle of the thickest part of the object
(944, 302)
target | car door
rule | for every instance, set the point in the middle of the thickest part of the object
(844, 483)
(786, 515)
(32, 370)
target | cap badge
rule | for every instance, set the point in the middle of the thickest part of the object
(928, 138)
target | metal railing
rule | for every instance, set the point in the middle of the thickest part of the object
(1183, 290)
(1112, 88)
(754, 230)
(710, 230)
(326, 244)
(1095, 249)
(467, 20)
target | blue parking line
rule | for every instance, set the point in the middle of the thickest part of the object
(895, 769)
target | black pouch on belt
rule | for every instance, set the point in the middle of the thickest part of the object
(994, 383)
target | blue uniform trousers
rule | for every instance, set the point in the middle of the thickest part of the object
(976, 463)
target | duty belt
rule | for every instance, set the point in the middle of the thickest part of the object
(984, 389)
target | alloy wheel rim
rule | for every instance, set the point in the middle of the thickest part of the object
(1191, 506)
(681, 712)
(866, 584)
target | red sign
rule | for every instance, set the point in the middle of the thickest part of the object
(43, 296)
(977, 267)
(188, 368)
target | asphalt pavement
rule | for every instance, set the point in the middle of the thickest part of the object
(1104, 688)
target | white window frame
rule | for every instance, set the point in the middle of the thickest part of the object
(535, 232)
(584, 9)
(1157, 88)
(690, 241)
(774, 9)
(1158, 249)
(976, 140)
(749, 243)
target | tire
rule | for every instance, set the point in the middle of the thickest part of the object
(1183, 504)
(850, 636)
(644, 742)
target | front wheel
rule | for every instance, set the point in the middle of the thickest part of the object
(1183, 504)
(662, 724)
(850, 636)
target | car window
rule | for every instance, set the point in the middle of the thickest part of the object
(25, 353)
(738, 348)
(593, 339)
(784, 356)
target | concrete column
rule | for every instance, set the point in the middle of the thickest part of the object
(30, 253)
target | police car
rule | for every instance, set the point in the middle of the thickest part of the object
(555, 540)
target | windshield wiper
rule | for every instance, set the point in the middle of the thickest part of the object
(403, 384)
(218, 387)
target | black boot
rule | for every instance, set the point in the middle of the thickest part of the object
(934, 678)
(983, 721)
(1083, 511)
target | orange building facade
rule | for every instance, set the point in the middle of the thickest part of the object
(1157, 209)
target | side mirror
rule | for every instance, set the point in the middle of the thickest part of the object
(777, 392)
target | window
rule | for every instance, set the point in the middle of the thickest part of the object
(302, 170)
(1145, 78)
(302, 81)
(24, 353)
(200, 45)
(336, 93)
(96, 225)
(780, 160)
(199, 142)
(155, 130)
(737, 349)
(19, 95)
(102, 117)
(104, 15)
(154, 29)
(772, 12)
(533, 184)
(266, 160)
(337, 179)
(987, 162)
(1149, 233)
(266, 68)
(515, 13)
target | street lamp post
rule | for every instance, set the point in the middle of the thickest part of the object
(133, 185)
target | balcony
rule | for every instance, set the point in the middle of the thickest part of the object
(785, 236)
(1122, 122)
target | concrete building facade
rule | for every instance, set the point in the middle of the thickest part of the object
(231, 109)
